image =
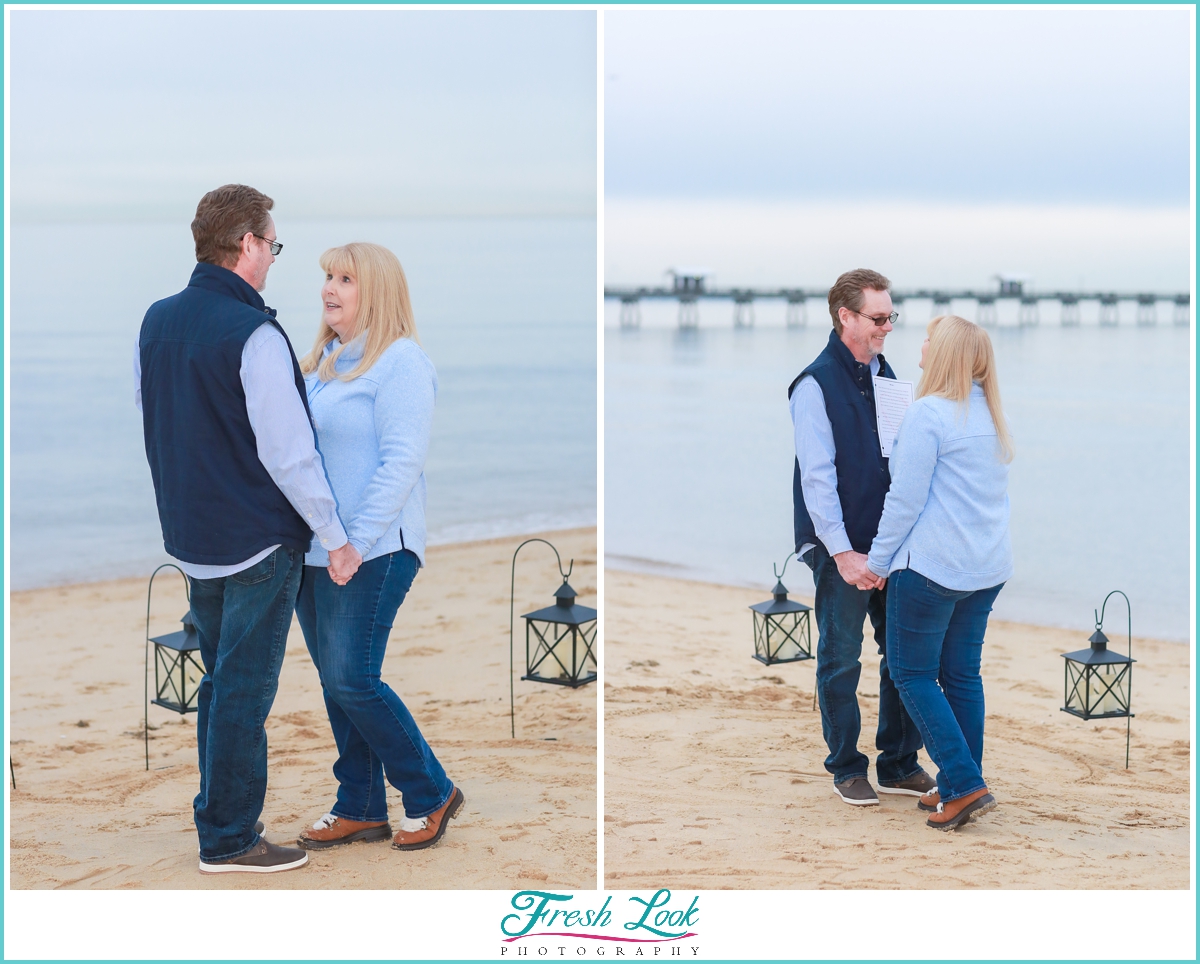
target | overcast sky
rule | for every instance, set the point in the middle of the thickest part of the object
(1006, 105)
(334, 113)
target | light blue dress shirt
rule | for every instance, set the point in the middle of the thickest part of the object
(284, 440)
(818, 474)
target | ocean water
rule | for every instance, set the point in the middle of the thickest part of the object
(504, 307)
(698, 459)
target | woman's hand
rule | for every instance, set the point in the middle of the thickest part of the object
(344, 563)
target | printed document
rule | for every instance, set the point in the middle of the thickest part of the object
(892, 398)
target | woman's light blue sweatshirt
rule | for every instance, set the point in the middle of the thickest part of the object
(373, 433)
(946, 513)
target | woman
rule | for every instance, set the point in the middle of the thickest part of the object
(371, 391)
(943, 544)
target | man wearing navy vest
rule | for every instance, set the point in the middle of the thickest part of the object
(838, 488)
(241, 490)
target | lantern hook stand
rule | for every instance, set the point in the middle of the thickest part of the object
(1129, 631)
(779, 577)
(512, 602)
(187, 588)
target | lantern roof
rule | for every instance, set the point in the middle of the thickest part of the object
(572, 615)
(1097, 657)
(774, 607)
(182, 641)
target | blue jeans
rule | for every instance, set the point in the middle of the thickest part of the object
(242, 621)
(346, 629)
(935, 635)
(841, 610)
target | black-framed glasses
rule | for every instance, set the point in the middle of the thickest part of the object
(276, 247)
(880, 320)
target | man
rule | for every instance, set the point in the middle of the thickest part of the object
(838, 488)
(241, 489)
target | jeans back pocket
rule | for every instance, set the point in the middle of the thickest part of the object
(261, 571)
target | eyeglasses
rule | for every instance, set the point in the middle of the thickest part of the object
(880, 320)
(276, 247)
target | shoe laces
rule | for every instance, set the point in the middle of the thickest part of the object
(412, 825)
(327, 821)
(939, 810)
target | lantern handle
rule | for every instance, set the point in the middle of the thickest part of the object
(187, 589)
(512, 598)
(779, 575)
(1129, 631)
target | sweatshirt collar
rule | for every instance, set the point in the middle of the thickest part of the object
(352, 351)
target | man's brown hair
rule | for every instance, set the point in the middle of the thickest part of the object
(847, 292)
(223, 217)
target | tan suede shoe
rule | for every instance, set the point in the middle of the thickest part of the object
(426, 831)
(952, 815)
(331, 831)
(929, 801)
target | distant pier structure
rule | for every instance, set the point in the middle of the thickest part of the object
(689, 285)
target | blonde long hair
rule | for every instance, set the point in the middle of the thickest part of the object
(959, 353)
(384, 310)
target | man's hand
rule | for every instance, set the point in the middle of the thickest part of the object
(344, 563)
(852, 566)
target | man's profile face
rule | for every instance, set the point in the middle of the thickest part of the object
(859, 331)
(261, 258)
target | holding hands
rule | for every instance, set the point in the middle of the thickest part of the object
(344, 563)
(852, 566)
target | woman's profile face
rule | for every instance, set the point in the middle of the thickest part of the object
(924, 349)
(340, 297)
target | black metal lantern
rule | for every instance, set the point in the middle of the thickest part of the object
(782, 628)
(178, 669)
(559, 640)
(1098, 683)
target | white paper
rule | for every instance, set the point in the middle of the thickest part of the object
(892, 398)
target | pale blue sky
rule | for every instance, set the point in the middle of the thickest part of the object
(342, 113)
(1086, 106)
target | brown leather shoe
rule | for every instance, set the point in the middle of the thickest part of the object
(432, 827)
(952, 815)
(331, 831)
(929, 801)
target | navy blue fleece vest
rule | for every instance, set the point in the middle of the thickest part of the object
(216, 502)
(862, 471)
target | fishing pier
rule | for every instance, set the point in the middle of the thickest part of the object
(689, 286)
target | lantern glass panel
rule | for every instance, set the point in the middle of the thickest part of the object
(782, 637)
(1098, 690)
(562, 653)
(177, 675)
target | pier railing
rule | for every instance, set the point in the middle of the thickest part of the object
(796, 299)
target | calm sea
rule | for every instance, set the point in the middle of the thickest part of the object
(505, 308)
(698, 459)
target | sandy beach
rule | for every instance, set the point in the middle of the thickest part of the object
(714, 773)
(87, 814)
